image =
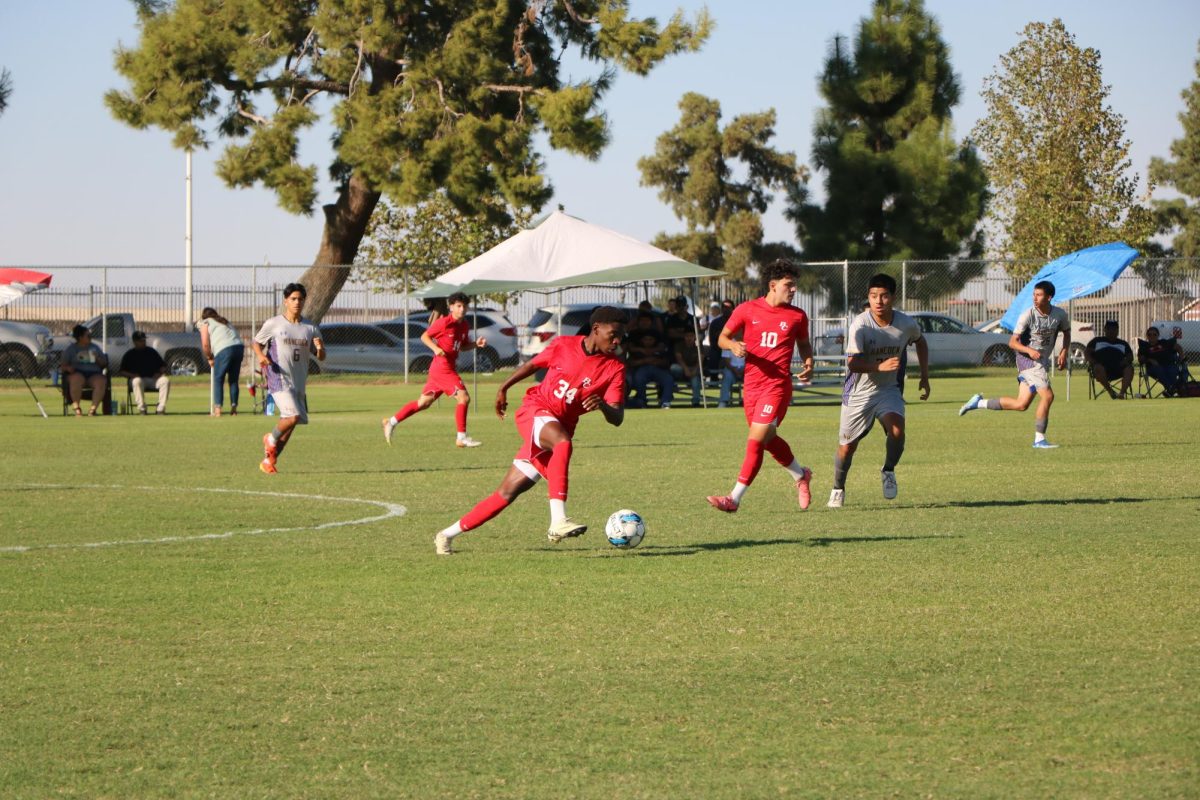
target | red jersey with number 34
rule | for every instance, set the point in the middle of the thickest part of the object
(572, 375)
(770, 334)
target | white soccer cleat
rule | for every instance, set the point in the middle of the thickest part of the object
(971, 404)
(467, 441)
(388, 427)
(889, 484)
(441, 545)
(1044, 445)
(837, 498)
(566, 528)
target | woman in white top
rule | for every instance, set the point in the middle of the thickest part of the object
(224, 350)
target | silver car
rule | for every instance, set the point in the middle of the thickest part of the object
(357, 347)
(952, 342)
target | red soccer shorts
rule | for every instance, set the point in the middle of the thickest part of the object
(530, 420)
(767, 406)
(443, 381)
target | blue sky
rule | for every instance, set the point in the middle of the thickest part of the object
(79, 188)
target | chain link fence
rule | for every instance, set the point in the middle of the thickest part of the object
(156, 300)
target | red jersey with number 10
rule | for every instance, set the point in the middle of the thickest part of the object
(571, 375)
(770, 334)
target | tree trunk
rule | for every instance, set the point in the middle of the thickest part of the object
(345, 225)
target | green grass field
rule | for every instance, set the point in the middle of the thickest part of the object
(1017, 624)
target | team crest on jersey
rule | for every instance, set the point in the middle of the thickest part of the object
(586, 382)
(783, 326)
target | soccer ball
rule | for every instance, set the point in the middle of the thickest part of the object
(625, 529)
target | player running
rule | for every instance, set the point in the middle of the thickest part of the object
(771, 329)
(447, 336)
(288, 339)
(1033, 343)
(583, 373)
(876, 353)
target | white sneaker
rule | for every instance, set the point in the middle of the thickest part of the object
(565, 529)
(837, 498)
(441, 545)
(971, 404)
(889, 484)
(467, 441)
(387, 429)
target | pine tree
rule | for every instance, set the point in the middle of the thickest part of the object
(897, 186)
(5, 89)
(424, 95)
(1180, 217)
(1056, 152)
(718, 182)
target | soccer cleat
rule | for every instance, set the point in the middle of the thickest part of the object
(566, 528)
(269, 450)
(803, 493)
(889, 484)
(1044, 445)
(441, 545)
(971, 404)
(387, 429)
(725, 504)
(837, 498)
(267, 467)
(467, 441)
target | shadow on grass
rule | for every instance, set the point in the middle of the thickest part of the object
(1046, 501)
(376, 471)
(816, 541)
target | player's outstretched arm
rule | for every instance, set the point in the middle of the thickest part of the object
(519, 374)
(923, 362)
(613, 415)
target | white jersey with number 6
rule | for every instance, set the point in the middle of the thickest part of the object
(288, 345)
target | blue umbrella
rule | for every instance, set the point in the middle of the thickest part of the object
(1074, 275)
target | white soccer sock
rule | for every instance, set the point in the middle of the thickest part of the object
(461, 435)
(795, 470)
(558, 511)
(452, 531)
(271, 439)
(739, 491)
(1039, 437)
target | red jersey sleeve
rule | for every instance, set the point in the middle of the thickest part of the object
(546, 357)
(615, 394)
(737, 320)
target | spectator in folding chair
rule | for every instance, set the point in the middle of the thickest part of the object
(1162, 360)
(1108, 357)
(83, 362)
(146, 371)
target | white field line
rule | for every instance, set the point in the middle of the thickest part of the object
(390, 510)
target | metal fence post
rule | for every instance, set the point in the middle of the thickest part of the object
(904, 285)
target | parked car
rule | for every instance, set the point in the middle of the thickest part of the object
(1081, 333)
(952, 342)
(26, 350)
(544, 325)
(501, 335)
(357, 347)
(181, 350)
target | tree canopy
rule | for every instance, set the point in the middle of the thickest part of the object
(1056, 151)
(1180, 217)
(897, 185)
(5, 89)
(423, 95)
(718, 182)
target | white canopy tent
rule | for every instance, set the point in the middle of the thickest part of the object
(564, 251)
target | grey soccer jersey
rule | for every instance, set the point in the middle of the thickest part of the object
(878, 343)
(1039, 331)
(288, 345)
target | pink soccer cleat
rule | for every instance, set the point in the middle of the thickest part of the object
(802, 491)
(725, 504)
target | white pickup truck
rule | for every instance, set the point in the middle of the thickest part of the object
(181, 350)
(26, 350)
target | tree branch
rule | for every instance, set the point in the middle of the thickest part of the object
(575, 16)
(242, 112)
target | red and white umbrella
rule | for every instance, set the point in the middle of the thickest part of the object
(15, 283)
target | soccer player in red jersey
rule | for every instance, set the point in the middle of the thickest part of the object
(583, 373)
(771, 328)
(446, 336)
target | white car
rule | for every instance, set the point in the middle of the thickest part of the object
(544, 325)
(501, 335)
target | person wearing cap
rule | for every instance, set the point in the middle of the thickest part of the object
(1110, 357)
(143, 366)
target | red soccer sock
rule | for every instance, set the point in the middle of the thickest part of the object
(484, 510)
(407, 411)
(781, 452)
(556, 470)
(460, 417)
(753, 462)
